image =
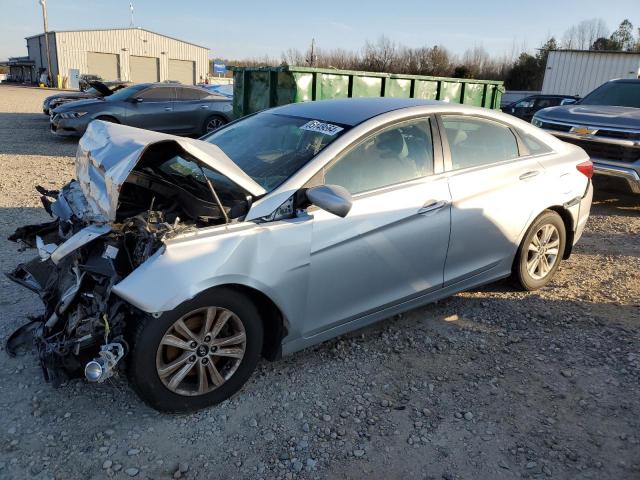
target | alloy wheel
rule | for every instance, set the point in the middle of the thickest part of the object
(542, 253)
(214, 124)
(201, 351)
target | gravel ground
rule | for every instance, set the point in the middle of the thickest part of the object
(493, 383)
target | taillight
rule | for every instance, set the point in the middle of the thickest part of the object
(586, 168)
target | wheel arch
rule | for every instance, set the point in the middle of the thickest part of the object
(107, 118)
(568, 221)
(274, 321)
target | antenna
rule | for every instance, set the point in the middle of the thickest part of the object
(131, 9)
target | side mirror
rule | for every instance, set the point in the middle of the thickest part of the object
(331, 198)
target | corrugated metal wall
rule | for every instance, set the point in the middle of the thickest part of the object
(71, 49)
(38, 53)
(578, 73)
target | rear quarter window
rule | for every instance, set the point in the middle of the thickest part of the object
(535, 146)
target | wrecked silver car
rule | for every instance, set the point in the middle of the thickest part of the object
(184, 261)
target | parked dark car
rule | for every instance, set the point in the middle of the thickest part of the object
(526, 107)
(97, 89)
(164, 107)
(606, 124)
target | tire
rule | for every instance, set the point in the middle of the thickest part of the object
(213, 123)
(527, 273)
(148, 356)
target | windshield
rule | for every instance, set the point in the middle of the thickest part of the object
(620, 94)
(125, 93)
(271, 147)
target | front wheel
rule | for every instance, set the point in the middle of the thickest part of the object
(198, 354)
(540, 252)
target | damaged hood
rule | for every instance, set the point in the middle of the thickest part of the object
(108, 152)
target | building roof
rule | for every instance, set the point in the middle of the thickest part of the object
(591, 51)
(117, 28)
(349, 111)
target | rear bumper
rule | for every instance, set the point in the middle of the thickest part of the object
(583, 212)
(628, 174)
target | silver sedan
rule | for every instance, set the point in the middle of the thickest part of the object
(194, 258)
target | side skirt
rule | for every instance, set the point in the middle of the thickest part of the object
(486, 277)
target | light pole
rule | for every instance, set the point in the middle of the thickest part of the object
(43, 4)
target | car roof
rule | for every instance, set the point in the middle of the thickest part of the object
(624, 80)
(350, 111)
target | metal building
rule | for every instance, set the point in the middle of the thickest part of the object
(577, 72)
(127, 54)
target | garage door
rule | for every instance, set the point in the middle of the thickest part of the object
(105, 65)
(144, 69)
(184, 71)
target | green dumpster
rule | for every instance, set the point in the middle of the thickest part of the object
(255, 89)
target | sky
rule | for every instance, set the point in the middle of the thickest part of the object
(239, 29)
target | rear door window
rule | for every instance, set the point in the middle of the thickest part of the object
(186, 94)
(475, 141)
(157, 94)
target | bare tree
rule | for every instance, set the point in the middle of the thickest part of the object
(582, 35)
(379, 56)
(293, 56)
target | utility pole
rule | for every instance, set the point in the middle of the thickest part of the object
(131, 9)
(311, 60)
(43, 4)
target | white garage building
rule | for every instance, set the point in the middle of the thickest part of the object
(128, 54)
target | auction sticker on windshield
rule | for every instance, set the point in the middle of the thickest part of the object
(321, 127)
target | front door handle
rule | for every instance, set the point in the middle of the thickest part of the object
(167, 109)
(432, 206)
(204, 107)
(531, 174)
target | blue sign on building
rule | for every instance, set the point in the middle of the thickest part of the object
(219, 68)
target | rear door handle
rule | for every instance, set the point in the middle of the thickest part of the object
(167, 109)
(531, 174)
(432, 206)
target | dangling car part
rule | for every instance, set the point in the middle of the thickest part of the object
(186, 260)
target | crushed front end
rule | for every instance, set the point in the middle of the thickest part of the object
(134, 189)
(79, 260)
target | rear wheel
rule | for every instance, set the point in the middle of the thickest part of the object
(197, 355)
(213, 123)
(540, 252)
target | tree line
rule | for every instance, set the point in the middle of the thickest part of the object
(519, 71)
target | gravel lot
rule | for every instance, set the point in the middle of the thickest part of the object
(493, 384)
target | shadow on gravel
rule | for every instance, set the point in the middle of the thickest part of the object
(615, 202)
(28, 134)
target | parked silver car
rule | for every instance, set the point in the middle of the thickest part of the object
(164, 107)
(191, 258)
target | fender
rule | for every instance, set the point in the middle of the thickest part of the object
(272, 258)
